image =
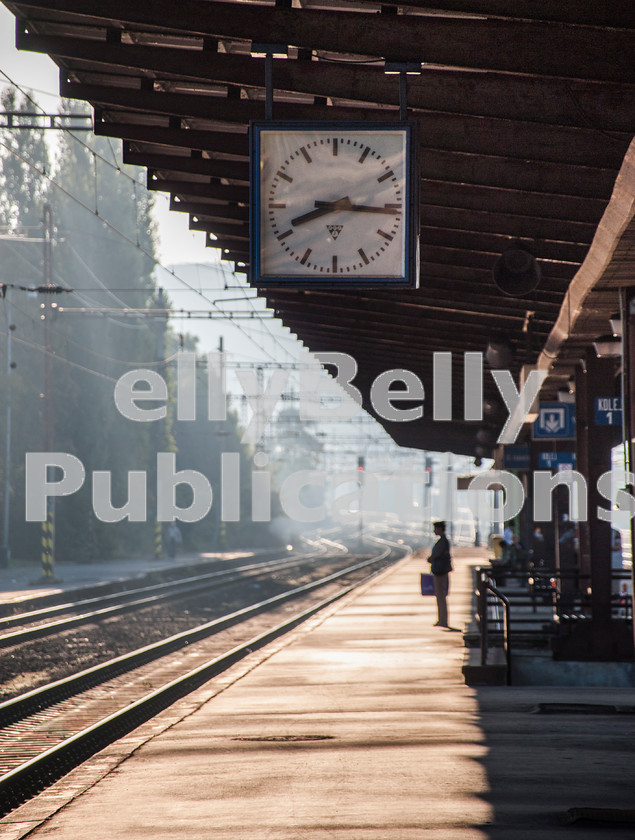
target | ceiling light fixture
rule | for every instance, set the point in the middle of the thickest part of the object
(607, 347)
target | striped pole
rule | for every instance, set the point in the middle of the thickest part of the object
(48, 545)
(158, 540)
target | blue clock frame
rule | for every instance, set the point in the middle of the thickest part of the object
(408, 274)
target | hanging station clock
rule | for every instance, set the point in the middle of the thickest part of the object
(333, 204)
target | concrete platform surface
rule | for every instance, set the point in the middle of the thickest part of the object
(356, 727)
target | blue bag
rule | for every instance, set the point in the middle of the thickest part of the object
(427, 584)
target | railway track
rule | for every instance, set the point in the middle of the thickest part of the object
(111, 605)
(48, 731)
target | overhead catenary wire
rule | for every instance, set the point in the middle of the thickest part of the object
(40, 349)
(69, 131)
(58, 289)
(90, 271)
(76, 292)
(121, 171)
(265, 332)
(125, 362)
(120, 233)
(91, 309)
(151, 312)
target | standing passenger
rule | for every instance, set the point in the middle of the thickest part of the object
(441, 566)
(175, 540)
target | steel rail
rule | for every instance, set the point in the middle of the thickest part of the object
(40, 698)
(29, 616)
(29, 778)
(165, 591)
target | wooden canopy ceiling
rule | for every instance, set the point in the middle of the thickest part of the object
(524, 110)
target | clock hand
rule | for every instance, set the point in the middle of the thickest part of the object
(327, 207)
(322, 208)
(340, 204)
(346, 204)
(388, 209)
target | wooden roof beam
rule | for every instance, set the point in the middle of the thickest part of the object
(466, 222)
(520, 224)
(512, 139)
(212, 168)
(607, 106)
(435, 164)
(512, 202)
(515, 46)
(228, 143)
(221, 192)
(381, 351)
(490, 307)
(435, 289)
(432, 192)
(607, 13)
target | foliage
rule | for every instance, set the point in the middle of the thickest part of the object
(89, 351)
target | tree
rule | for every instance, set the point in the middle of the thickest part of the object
(105, 270)
(89, 353)
(101, 256)
(23, 191)
(200, 445)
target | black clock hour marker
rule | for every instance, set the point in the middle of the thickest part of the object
(334, 265)
(385, 235)
(335, 143)
(364, 154)
(281, 174)
(306, 256)
(363, 256)
(307, 156)
(389, 174)
(277, 205)
(285, 234)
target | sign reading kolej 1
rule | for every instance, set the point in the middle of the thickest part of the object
(608, 411)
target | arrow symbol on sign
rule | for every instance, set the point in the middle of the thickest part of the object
(553, 423)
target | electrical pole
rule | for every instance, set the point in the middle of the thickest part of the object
(161, 303)
(361, 466)
(260, 411)
(5, 551)
(48, 432)
(220, 535)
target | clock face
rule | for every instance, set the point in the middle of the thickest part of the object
(333, 203)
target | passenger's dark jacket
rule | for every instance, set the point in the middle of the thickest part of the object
(440, 562)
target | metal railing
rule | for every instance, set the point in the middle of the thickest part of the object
(485, 588)
(546, 603)
(565, 593)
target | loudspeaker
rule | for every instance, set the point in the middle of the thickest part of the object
(516, 272)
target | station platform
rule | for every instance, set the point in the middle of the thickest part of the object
(357, 726)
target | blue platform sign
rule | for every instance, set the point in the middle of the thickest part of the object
(516, 458)
(608, 411)
(556, 421)
(556, 460)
